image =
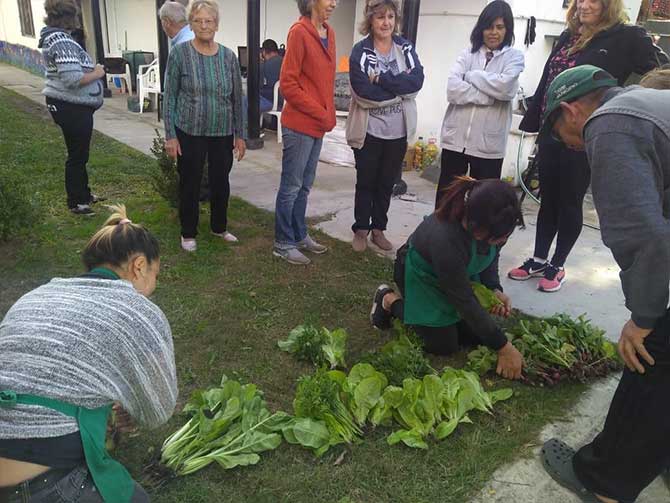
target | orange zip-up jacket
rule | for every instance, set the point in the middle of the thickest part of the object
(307, 80)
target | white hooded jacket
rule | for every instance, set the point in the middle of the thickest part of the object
(479, 115)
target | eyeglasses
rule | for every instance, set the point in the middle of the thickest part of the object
(203, 22)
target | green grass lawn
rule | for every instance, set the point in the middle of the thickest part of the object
(228, 305)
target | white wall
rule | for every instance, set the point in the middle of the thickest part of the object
(131, 25)
(10, 27)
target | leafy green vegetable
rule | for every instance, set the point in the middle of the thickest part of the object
(319, 397)
(433, 406)
(320, 347)
(230, 425)
(554, 349)
(399, 359)
(487, 298)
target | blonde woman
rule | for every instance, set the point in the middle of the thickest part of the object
(597, 34)
(204, 120)
(72, 350)
(385, 75)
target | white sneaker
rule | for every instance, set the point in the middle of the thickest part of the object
(188, 245)
(226, 236)
(308, 244)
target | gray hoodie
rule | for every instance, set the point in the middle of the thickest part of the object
(628, 145)
(66, 63)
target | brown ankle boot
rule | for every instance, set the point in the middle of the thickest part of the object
(360, 241)
(380, 240)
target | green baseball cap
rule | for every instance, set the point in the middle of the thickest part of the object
(571, 85)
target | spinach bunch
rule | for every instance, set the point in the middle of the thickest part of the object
(319, 346)
(554, 349)
(230, 425)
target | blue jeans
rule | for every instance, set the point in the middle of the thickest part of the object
(76, 486)
(299, 160)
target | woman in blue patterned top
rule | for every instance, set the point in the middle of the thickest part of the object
(204, 120)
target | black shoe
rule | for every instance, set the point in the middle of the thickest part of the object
(82, 209)
(380, 318)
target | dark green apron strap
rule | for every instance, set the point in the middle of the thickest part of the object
(112, 480)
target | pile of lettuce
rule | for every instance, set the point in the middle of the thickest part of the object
(554, 349)
(332, 407)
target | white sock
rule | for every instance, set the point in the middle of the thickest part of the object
(540, 260)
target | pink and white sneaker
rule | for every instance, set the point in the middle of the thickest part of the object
(188, 244)
(530, 269)
(553, 279)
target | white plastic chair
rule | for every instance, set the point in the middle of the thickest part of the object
(148, 82)
(276, 111)
(123, 77)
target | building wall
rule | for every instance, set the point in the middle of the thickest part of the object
(16, 48)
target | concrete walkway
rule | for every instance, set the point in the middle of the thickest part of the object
(592, 285)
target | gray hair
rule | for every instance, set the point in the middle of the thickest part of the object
(305, 7)
(372, 8)
(174, 12)
(211, 5)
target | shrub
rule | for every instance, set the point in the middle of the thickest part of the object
(18, 209)
(166, 179)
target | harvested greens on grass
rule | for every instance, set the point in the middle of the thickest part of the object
(434, 405)
(230, 425)
(320, 399)
(319, 346)
(401, 358)
(555, 349)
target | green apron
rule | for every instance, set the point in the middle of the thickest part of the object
(425, 302)
(112, 480)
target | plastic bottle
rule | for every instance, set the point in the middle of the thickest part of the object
(431, 152)
(419, 148)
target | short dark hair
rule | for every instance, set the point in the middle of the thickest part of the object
(494, 10)
(270, 45)
(488, 205)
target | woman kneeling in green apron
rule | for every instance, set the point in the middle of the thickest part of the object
(454, 246)
(72, 350)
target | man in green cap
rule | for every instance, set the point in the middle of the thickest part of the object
(626, 135)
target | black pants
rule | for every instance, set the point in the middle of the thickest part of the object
(455, 164)
(378, 166)
(564, 178)
(634, 446)
(76, 122)
(436, 340)
(218, 150)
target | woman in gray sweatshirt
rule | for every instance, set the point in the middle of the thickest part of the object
(73, 93)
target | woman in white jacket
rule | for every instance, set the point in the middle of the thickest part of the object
(480, 90)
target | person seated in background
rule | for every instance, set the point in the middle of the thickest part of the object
(175, 23)
(270, 69)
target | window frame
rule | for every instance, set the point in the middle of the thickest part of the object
(26, 18)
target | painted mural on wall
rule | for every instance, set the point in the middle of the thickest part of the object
(22, 56)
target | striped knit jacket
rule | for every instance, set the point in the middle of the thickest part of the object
(88, 342)
(204, 94)
(66, 63)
